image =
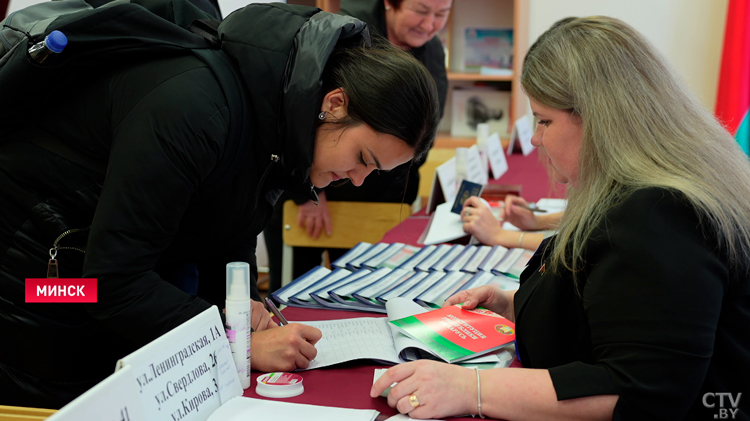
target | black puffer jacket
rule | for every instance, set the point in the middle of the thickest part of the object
(159, 127)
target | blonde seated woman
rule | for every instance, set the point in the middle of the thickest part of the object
(488, 230)
(639, 307)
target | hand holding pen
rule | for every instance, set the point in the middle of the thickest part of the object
(533, 207)
(287, 348)
(520, 213)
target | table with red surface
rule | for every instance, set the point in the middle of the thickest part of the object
(528, 171)
(344, 385)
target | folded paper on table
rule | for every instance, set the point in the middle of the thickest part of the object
(444, 226)
(443, 185)
(520, 136)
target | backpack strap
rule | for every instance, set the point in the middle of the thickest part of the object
(207, 29)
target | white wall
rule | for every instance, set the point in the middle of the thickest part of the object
(689, 33)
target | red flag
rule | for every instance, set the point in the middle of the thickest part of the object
(733, 99)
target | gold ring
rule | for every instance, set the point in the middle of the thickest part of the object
(413, 400)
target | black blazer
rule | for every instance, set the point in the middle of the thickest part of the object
(656, 317)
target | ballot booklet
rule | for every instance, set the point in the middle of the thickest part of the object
(455, 334)
(376, 338)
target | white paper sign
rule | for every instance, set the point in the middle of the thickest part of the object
(483, 134)
(446, 174)
(186, 373)
(522, 132)
(476, 172)
(114, 398)
(498, 162)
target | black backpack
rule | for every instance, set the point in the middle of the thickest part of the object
(111, 34)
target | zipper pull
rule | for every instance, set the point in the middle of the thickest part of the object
(52, 265)
(316, 200)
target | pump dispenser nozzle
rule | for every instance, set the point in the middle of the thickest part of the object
(238, 281)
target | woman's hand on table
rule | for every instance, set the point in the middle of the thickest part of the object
(490, 297)
(285, 348)
(441, 389)
(315, 218)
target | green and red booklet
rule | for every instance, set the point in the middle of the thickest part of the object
(454, 334)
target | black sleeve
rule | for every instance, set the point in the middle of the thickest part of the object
(652, 298)
(434, 60)
(212, 274)
(161, 151)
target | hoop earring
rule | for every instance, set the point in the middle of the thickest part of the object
(322, 115)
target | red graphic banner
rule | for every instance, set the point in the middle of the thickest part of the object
(60, 290)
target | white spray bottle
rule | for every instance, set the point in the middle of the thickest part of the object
(238, 318)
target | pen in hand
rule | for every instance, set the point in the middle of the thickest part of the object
(532, 207)
(271, 306)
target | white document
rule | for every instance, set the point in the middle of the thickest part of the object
(445, 225)
(244, 409)
(496, 155)
(372, 338)
(552, 205)
(522, 132)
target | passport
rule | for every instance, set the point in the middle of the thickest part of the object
(465, 191)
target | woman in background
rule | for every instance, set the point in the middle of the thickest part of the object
(648, 273)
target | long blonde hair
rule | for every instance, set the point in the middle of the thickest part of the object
(642, 127)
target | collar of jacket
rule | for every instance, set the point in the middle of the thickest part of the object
(281, 51)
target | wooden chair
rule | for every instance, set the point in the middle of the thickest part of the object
(18, 413)
(353, 222)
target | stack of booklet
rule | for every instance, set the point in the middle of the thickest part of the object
(369, 275)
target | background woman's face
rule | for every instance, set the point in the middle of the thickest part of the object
(353, 153)
(416, 21)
